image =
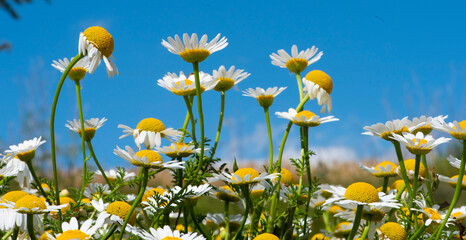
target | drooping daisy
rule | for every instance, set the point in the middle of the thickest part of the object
(387, 130)
(422, 124)
(455, 129)
(264, 97)
(17, 168)
(113, 175)
(114, 212)
(453, 181)
(166, 233)
(149, 132)
(297, 62)
(419, 144)
(243, 176)
(98, 44)
(225, 193)
(319, 85)
(183, 85)
(392, 231)
(179, 150)
(26, 150)
(90, 126)
(227, 79)
(72, 230)
(146, 158)
(191, 50)
(305, 118)
(383, 169)
(410, 166)
(77, 72)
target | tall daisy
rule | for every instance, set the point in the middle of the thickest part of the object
(297, 62)
(116, 211)
(383, 169)
(146, 158)
(150, 132)
(227, 79)
(183, 85)
(319, 85)
(455, 129)
(193, 50)
(388, 129)
(419, 144)
(243, 176)
(77, 72)
(305, 118)
(423, 124)
(90, 126)
(98, 44)
(264, 97)
(26, 150)
(71, 230)
(179, 150)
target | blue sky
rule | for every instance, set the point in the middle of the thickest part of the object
(387, 59)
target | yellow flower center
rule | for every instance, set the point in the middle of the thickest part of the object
(322, 79)
(73, 234)
(68, 201)
(410, 165)
(101, 39)
(44, 235)
(88, 133)
(151, 125)
(77, 73)
(26, 156)
(175, 154)
(225, 196)
(456, 214)
(194, 55)
(388, 134)
(224, 84)
(266, 236)
(172, 238)
(30, 202)
(421, 141)
(13, 196)
(434, 215)
(424, 129)
(393, 231)
(320, 236)
(153, 192)
(296, 65)
(305, 116)
(362, 192)
(152, 156)
(287, 177)
(397, 184)
(121, 209)
(454, 180)
(243, 172)
(461, 135)
(189, 92)
(265, 101)
(181, 228)
(335, 209)
(382, 165)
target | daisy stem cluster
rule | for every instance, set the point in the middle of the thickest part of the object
(189, 106)
(356, 222)
(269, 132)
(201, 115)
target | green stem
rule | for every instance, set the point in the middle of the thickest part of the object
(110, 232)
(385, 184)
(227, 220)
(430, 199)
(201, 115)
(83, 139)
(30, 226)
(220, 121)
(196, 224)
(357, 221)
(185, 125)
(52, 131)
(9, 233)
(415, 183)
(36, 179)
(300, 86)
(269, 131)
(246, 213)
(457, 191)
(418, 232)
(397, 198)
(191, 116)
(91, 150)
(402, 166)
(366, 231)
(309, 177)
(136, 201)
(15, 233)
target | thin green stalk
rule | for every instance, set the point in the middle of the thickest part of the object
(15, 233)
(52, 131)
(8, 234)
(196, 224)
(418, 232)
(300, 86)
(191, 116)
(185, 125)
(415, 183)
(136, 201)
(269, 131)
(430, 199)
(246, 213)
(397, 198)
(457, 191)
(201, 115)
(326, 218)
(30, 226)
(402, 166)
(303, 156)
(36, 179)
(227, 221)
(309, 177)
(91, 150)
(83, 139)
(357, 221)
(110, 232)
(385, 184)
(366, 231)
(220, 121)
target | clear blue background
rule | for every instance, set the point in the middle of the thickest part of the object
(387, 59)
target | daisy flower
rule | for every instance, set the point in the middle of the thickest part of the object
(114, 212)
(225, 193)
(455, 162)
(183, 85)
(266, 236)
(305, 118)
(410, 166)
(452, 181)
(219, 220)
(146, 158)
(433, 213)
(264, 97)
(31, 204)
(387, 130)
(98, 44)
(11, 218)
(383, 169)
(191, 50)
(227, 79)
(17, 168)
(179, 150)
(167, 233)
(422, 124)
(113, 175)
(192, 192)
(96, 190)
(419, 144)
(72, 230)
(459, 214)
(149, 132)
(297, 62)
(455, 129)
(343, 229)
(90, 127)
(319, 85)
(392, 231)
(26, 150)
(243, 176)
(287, 178)
(77, 72)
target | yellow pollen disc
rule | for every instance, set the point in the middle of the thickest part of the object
(266, 236)
(305, 116)
(397, 184)
(454, 181)
(179, 145)
(461, 135)
(421, 141)
(227, 197)
(77, 73)
(296, 65)
(326, 194)
(322, 79)
(13, 196)
(335, 209)
(44, 235)
(151, 125)
(101, 39)
(265, 101)
(320, 236)
(73, 234)
(456, 214)
(393, 231)
(68, 201)
(30, 202)
(152, 156)
(242, 172)
(410, 165)
(434, 215)
(387, 135)
(224, 84)
(424, 129)
(88, 133)
(121, 209)
(287, 177)
(257, 193)
(194, 55)
(152, 192)
(362, 192)
(26, 156)
(384, 164)
(172, 238)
